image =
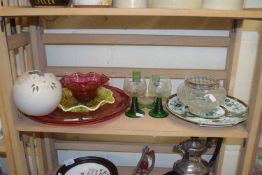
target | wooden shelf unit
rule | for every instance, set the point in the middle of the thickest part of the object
(38, 137)
(2, 147)
(143, 127)
(232, 14)
(5, 141)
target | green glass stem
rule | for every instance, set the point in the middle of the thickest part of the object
(134, 111)
(141, 105)
(158, 111)
(151, 105)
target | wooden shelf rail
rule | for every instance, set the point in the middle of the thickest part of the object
(144, 127)
(2, 147)
(28, 11)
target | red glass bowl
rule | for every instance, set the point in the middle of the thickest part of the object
(106, 112)
(84, 86)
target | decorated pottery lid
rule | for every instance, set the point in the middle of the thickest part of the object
(88, 165)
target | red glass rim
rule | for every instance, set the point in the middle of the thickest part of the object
(84, 79)
(84, 86)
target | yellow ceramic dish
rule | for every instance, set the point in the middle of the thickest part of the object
(70, 104)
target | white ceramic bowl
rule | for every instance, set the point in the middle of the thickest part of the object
(92, 2)
(223, 4)
(130, 3)
(179, 4)
(36, 93)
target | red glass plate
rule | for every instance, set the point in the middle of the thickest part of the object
(106, 112)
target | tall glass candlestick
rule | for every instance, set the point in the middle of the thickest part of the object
(135, 87)
(159, 87)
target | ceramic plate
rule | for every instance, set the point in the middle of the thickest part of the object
(231, 113)
(70, 104)
(88, 165)
(106, 112)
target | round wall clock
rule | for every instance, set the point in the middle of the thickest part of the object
(88, 166)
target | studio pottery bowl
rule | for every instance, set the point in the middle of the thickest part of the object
(84, 86)
(36, 93)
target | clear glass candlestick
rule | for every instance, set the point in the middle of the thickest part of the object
(159, 87)
(135, 87)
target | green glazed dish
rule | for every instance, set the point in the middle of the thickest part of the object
(70, 104)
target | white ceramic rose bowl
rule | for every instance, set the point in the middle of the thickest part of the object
(223, 4)
(36, 93)
(130, 3)
(177, 4)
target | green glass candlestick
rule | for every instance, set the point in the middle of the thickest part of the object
(135, 111)
(135, 87)
(159, 87)
(158, 111)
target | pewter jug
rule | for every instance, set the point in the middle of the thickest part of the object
(191, 163)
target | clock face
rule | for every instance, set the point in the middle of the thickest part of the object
(88, 169)
(88, 166)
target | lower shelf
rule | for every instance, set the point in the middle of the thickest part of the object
(129, 170)
(144, 127)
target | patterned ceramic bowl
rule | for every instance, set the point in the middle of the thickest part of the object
(92, 3)
(130, 3)
(223, 4)
(36, 93)
(84, 86)
(177, 4)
